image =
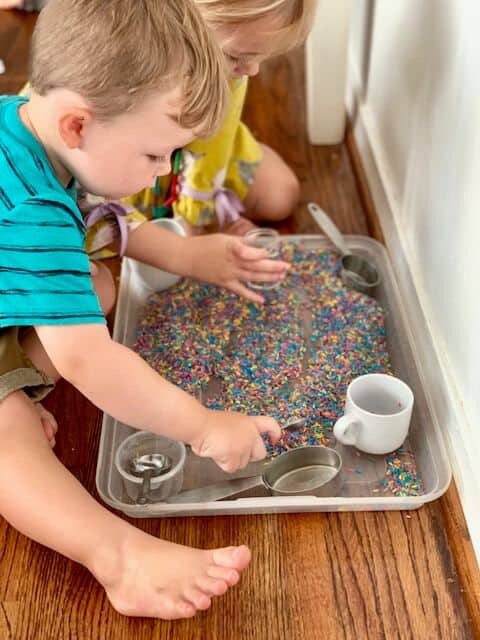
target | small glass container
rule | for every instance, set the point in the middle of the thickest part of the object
(143, 442)
(269, 239)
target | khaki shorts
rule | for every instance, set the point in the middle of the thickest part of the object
(17, 371)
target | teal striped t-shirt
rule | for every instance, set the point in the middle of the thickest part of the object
(44, 269)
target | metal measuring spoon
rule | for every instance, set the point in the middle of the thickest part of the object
(357, 272)
(148, 466)
(293, 425)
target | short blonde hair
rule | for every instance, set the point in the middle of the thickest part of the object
(114, 53)
(296, 15)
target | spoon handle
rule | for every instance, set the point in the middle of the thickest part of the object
(329, 228)
(145, 489)
(217, 491)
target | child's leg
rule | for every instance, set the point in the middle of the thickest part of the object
(275, 191)
(142, 575)
(272, 196)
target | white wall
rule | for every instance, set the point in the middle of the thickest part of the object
(414, 94)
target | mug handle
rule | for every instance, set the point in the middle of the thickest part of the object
(345, 430)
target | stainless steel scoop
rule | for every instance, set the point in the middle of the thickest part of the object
(148, 466)
(293, 425)
(306, 471)
(357, 272)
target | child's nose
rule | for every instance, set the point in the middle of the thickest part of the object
(164, 168)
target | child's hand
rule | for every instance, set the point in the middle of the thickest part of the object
(233, 440)
(228, 261)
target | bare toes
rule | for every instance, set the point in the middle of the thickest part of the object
(232, 557)
(230, 576)
(171, 609)
(212, 586)
(185, 610)
(199, 599)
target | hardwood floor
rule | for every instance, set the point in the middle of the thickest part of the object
(354, 576)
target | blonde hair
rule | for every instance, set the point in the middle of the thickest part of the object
(297, 16)
(114, 53)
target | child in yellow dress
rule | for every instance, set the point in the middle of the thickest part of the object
(231, 179)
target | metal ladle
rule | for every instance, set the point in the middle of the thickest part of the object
(357, 272)
(148, 466)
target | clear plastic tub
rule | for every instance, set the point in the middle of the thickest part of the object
(362, 472)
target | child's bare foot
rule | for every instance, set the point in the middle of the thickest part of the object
(49, 424)
(169, 581)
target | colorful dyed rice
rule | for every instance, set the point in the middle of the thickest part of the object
(292, 357)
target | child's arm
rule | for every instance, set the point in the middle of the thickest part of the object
(118, 381)
(217, 258)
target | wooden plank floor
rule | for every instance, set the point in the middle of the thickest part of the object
(350, 576)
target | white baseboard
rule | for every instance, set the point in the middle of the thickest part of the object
(462, 443)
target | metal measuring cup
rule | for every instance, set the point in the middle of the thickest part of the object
(357, 272)
(306, 471)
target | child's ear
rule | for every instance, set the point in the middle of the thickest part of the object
(72, 124)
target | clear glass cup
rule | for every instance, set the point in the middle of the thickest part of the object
(144, 442)
(268, 239)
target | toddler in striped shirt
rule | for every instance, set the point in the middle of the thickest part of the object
(116, 87)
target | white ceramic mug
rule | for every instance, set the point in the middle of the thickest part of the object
(152, 278)
(377, 415)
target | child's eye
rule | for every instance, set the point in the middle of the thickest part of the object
(232, 59)
(156, 159)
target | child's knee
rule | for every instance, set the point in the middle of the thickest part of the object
(16, 411)
(104, 286)
(22, 427)
(285, 196)
(276, 190)
(277, 201)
